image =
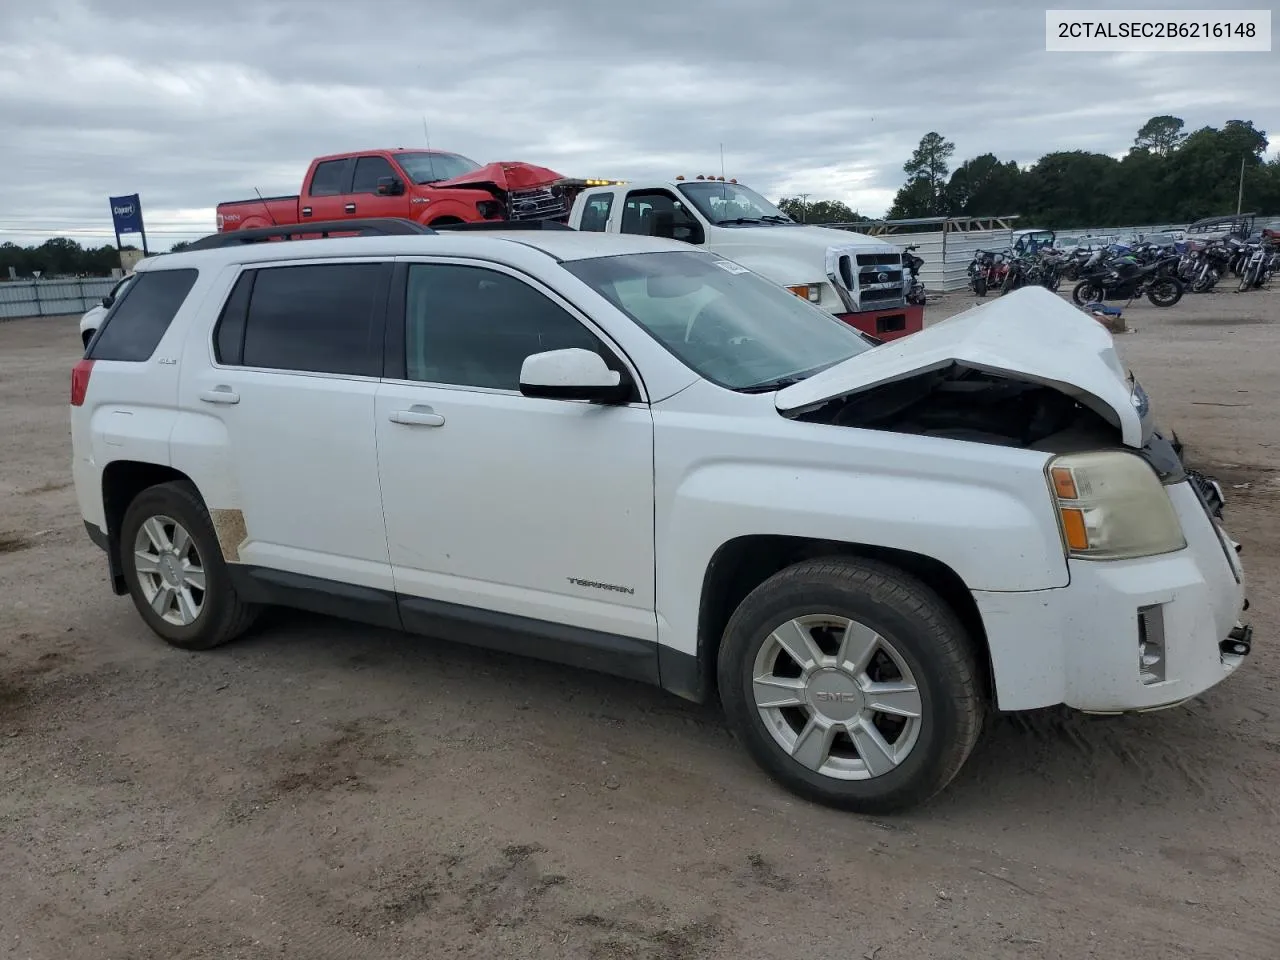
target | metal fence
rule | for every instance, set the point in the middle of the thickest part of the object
(51, 298)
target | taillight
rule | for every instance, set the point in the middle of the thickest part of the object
(80, 381)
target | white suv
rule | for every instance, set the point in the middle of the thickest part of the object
(626, 454)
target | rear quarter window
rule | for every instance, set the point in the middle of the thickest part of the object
(134, 326)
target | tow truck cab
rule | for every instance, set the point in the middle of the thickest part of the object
(857, 278)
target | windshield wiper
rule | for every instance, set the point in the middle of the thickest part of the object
(777, 218)
(740, 220)
(768, 386)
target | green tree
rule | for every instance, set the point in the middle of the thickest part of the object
(925, 192)
(985, 187)
(1160, 135)
(1072, 188)
(819, 211)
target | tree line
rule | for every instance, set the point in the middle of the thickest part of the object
(1167, 176)
(59, 257)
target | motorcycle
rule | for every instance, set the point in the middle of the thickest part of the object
(987, 270)
(1126, 279)
(1256, 270)
(912, 263)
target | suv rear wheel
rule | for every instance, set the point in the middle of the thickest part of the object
(852, 683)
(175, 572)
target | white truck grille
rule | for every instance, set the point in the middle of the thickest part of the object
(874, 279)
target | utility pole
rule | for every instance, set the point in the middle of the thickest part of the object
(804, 208)
(1240, 191)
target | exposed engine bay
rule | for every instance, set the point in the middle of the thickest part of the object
(960, 403)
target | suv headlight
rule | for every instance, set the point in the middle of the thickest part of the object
(1112, 506)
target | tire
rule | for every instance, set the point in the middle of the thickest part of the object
(1094, 290)
(219, 614)
(912, 628)
(979, 286)
(1172, 292)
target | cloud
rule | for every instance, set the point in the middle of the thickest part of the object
(190, 103)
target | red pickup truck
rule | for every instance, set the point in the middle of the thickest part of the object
(430, 186)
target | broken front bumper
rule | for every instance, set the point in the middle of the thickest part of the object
(1126, 635)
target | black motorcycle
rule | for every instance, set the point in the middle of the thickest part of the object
(1127, 280)
(912, 264)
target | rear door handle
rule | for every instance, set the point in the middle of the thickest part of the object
(418, 416)
(220, 394)
(350, 208)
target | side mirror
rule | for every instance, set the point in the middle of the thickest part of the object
(107, 301)
(390, 186)
(572, 374)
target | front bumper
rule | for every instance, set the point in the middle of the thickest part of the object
(1126, 635)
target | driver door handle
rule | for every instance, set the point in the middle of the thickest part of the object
(419, 415)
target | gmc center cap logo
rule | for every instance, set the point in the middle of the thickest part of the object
(123, 211)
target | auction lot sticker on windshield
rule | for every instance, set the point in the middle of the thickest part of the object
(731, 267)
(1158, 31)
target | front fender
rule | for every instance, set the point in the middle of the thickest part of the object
(983, 511)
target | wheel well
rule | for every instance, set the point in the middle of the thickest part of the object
(442, 221)
(741, 565)
(122, 481)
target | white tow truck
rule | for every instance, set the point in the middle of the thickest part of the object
(856, 277)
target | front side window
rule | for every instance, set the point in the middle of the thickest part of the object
(728, 324)
(316, 318)
(430, 167)
(657, 213)
(725, 203)
(472, 326)
(368, 170)
(141, 314)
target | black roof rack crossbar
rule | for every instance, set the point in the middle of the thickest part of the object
(372, 226)
(506, 225)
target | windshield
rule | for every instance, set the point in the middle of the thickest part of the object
(732, 326)
(723, 202)
(430, 167)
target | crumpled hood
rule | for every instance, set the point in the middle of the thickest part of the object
(506, 176)
(1029, 334)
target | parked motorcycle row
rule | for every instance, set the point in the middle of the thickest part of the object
(1252, 264)
(1161, 273)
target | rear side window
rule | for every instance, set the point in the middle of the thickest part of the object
(318, 318)
(138, 320)
(595, 212)
(329, 178)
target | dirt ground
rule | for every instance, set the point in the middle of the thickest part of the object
(326, 790)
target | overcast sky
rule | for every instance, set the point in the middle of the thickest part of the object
(191, 103)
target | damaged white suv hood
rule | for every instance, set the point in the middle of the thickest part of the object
(1030, 334)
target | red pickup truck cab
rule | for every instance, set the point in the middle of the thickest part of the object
(430, 186)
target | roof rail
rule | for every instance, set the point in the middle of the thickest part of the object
(506, 225)
(372, 226)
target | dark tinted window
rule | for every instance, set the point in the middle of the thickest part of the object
(136, 322)
(656, 213)
(368, 170)
(316, 318)
(329, 178)
(595, 213)
(228, 338)
(474, 327)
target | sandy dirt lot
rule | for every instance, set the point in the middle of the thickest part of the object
(327, 790)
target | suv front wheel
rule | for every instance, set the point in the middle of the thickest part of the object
(852, 683)
(175, 571)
